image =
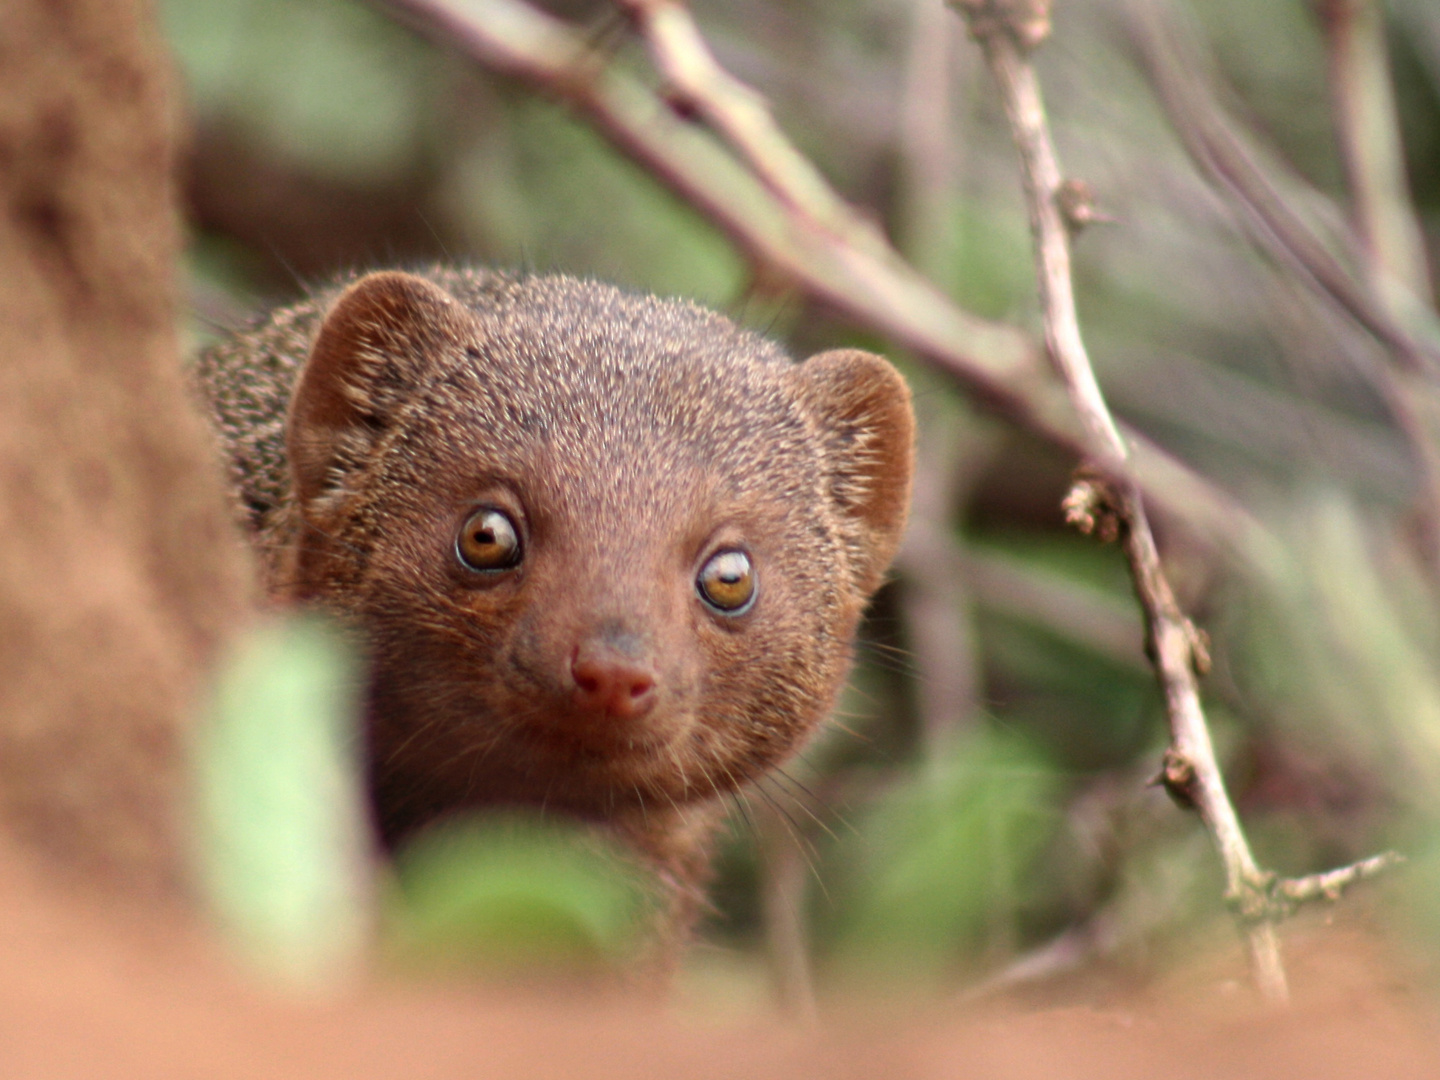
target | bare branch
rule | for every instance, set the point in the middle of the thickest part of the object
(1110, 499)
(1000, 38)
(697, 83)
(997, 364)
(1290, 893)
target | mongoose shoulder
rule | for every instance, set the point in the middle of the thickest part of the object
(607, 552)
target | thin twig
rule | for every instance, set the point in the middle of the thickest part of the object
(696, 82)
(997, 364)
(1110, 500)
(1291, 893)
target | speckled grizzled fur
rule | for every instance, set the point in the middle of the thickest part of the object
(629, 439)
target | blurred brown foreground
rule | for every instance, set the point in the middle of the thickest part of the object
(87, 993)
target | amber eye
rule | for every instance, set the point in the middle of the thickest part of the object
(727, 582)
(488, 541)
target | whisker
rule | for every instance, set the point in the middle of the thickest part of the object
(777, 775)
(802, 843)
(741, 802)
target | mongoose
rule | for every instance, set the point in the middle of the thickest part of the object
(607, 551)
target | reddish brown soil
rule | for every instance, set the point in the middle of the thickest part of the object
(86, 994)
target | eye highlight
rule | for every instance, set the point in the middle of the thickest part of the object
(727, 582)
(488, 542)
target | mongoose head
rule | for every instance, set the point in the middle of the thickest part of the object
(607, 550)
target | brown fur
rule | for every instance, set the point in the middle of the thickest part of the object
(629, 438)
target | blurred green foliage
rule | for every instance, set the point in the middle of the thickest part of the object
(945, 866)
(328, 83)
(1032, 813)
(616, 222)
(505, 893)
(283, 850)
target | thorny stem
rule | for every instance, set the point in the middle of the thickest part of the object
(1007, 30)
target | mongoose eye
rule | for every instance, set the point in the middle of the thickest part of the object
(727, 582)
(488, 541)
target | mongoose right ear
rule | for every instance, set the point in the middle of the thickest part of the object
(377, 341)
(867, 426)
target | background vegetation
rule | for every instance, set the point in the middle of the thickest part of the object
(981, 805)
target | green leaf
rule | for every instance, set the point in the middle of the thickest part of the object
(283, 843)
(512, 892)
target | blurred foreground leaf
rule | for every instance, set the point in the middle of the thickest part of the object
(512, 892)
(283, 844)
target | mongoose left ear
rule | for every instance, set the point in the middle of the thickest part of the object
(862, 406)
(377, 341)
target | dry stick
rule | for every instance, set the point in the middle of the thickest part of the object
(1291, 893)
(696, 81)
(997, 364)
(1190, 765)
(1007, 32)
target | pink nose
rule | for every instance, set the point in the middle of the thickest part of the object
(611, 684)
